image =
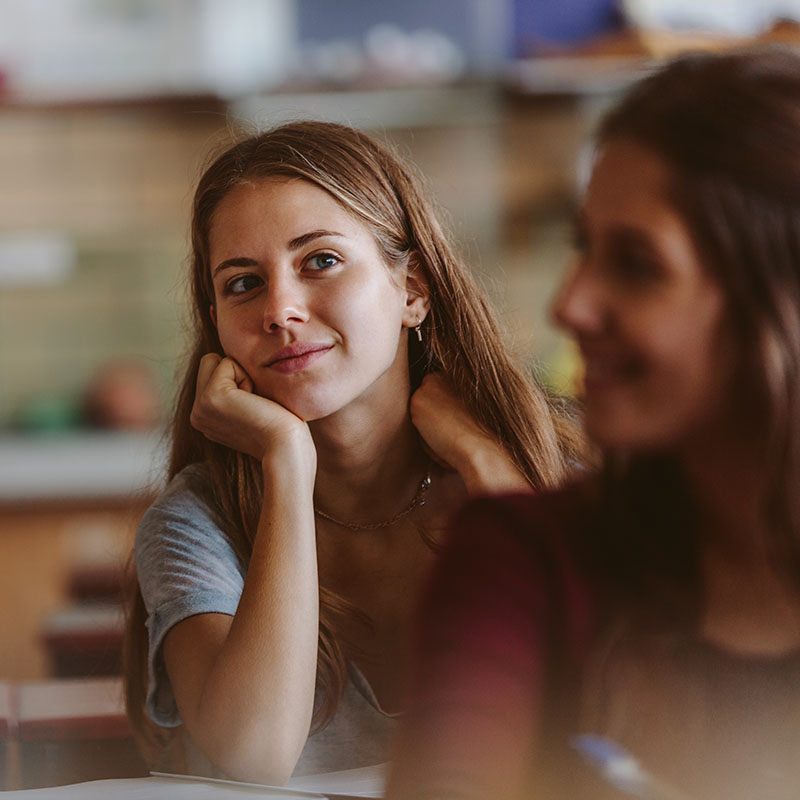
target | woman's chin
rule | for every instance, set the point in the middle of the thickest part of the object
(626, 437)
(308, 409)
(312, 406)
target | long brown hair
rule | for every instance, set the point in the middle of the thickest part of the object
(461, 340)
(727, 126)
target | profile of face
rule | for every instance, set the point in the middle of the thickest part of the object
(304, 301)
(646, 314)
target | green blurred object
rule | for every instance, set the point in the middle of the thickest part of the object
(48, 415)
(563, 370)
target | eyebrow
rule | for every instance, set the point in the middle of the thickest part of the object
(293, 244)
(305, 238)
(621, 232)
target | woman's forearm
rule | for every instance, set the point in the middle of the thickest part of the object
(487, 468)
(251, 711)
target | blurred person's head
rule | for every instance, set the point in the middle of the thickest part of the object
(685, 296)
(728, 129)
(123, 394)
(717, 139)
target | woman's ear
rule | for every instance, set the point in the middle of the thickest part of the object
(212, 312)
(418, 294)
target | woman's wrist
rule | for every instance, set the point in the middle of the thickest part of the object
(291, 458)
(487, 468)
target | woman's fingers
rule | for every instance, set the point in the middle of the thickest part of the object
(208, 364)
(233, 370)
(220, 374)
(224, 406)
(227, 411)
(455, 438)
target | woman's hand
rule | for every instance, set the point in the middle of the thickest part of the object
(228, 412)
(455, 440)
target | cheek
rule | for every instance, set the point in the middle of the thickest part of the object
(706, 351)
(223, 330)
(688, 341)
(232, 332)
(375, 313)
(694, 390)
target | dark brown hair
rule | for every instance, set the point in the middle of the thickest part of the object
(728, 128)
(460, 339)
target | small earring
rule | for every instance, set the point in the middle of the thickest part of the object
(417, 329)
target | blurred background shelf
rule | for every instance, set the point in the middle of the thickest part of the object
(79, 468)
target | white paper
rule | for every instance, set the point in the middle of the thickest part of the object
(364, 782)
(142, 789)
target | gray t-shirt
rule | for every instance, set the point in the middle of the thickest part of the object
(187, 565)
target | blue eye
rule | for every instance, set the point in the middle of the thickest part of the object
(323, 261)
(242, 284)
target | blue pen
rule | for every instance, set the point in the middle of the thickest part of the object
(622, 770)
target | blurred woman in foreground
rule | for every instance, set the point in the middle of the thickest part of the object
(655, 606)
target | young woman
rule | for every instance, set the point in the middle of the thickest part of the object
(657, 604)
(279, 569)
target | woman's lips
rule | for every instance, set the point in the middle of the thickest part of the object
(297, 356)
(602, 373)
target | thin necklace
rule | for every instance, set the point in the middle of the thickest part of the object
(417, 500)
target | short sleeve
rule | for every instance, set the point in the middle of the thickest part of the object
(186, 565)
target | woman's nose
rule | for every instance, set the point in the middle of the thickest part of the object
(285, 302)
(578, 305)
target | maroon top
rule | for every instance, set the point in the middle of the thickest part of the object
(506, 624)
(516, 619)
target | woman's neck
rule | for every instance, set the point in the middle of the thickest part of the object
(726, 478)
(368, 464)
(748, 604)
(748, 607)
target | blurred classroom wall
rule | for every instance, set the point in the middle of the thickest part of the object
(108, 109)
